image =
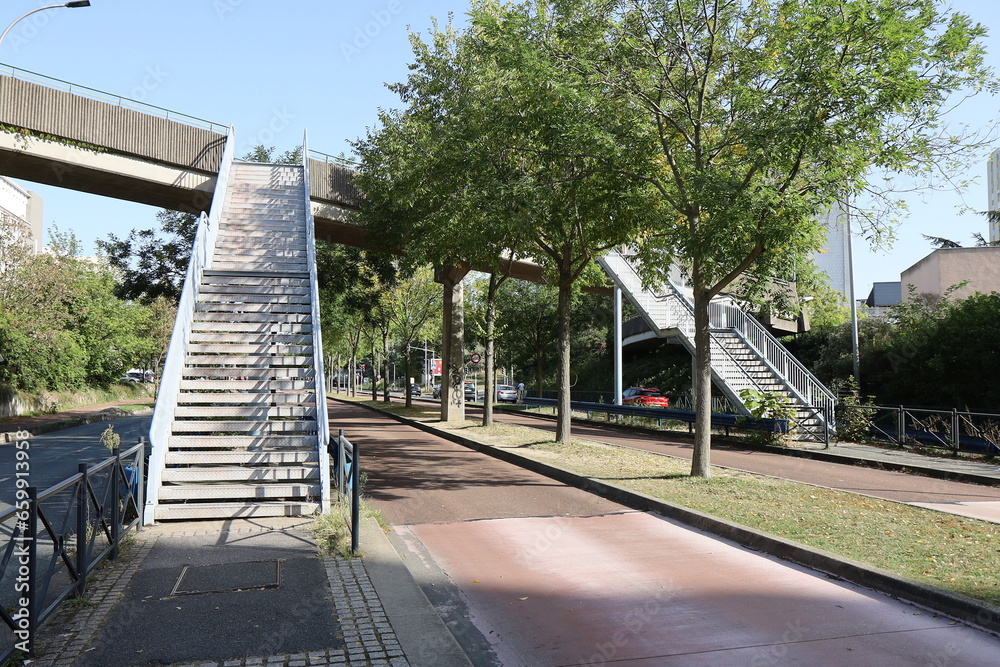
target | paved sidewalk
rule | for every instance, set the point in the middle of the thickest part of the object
(248, 593)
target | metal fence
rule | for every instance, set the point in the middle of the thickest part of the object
(798, 427)
(954, 430)
(53, 539)
(347, 469)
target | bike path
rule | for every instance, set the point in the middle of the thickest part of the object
(527, 571)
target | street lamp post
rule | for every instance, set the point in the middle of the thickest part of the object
(71, 5)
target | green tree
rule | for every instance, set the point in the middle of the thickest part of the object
(408, 307)
(152, 262)
(492, 157)
(754, 117)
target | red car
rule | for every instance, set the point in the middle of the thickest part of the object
(647, 398)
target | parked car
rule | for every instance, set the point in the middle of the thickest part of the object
(471, 393)
(506, 393)
(415, 389)
(437, 391)
(647, 398)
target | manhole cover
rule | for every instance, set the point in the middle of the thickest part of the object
(228, 577)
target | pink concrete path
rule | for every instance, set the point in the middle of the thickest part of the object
(569, 586)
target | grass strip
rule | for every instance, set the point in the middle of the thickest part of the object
(949, 551)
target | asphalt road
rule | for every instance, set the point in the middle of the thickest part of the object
(55, 456)
(526, 571)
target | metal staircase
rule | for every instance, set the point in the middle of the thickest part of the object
(241, 429)
(744, 354)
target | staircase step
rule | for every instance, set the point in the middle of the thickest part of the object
(285, 473)
(210, 277)
(257, 350)
(187, 511)
(264, 372)
(238, 491)
(254, 361)
(251, 338)
(244, 443)
(245, 308)
(252, 328)
(247, 385)
(291, 457)
(263, 398)
(279, 267)
(228, 297)
(247, 411)
(245, 427)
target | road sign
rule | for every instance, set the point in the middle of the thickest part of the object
(475, 358)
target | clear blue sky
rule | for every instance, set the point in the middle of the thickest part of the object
(273, 69)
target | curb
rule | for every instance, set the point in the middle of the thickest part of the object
(818, 455)
(63, 424)
(419, 629)
(955, 605)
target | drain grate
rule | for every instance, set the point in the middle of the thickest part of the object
(228, 577)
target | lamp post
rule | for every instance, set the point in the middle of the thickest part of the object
(71, 5)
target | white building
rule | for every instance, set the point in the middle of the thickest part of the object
(25, 206)
(993, 177)
(834, 258)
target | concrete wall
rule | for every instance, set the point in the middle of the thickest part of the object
(61, 114)
(949, 266)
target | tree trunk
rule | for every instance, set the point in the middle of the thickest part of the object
(701, 459)
(563, 412)
(374, 365)
(491, 314)
(385, 365)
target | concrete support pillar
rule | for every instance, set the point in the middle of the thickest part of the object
(453, 355)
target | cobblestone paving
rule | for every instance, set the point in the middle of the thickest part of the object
(368, 638)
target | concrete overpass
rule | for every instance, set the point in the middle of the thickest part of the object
(61, 134)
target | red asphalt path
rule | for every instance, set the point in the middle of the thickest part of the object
(554, 576)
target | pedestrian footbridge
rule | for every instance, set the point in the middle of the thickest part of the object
(240, 426)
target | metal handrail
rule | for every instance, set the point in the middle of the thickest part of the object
(326, 157)
(729, 317)
(905, 427)
(111, 98)
(173, 366)
(319, 381)
(68, 540)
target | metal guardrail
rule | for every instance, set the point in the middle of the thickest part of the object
(173, 366)
(52, 540)
(330, 159)
(348, 471)
(111, 98)
(722, 421)
(954, 430)
(319, 383)
(674, 310)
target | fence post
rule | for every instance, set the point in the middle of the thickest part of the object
(956, 437)
(115, 499)
(81, 532)
(356, 496)
(341, 462)
(901, 427)
(30, 534)
(140, 477)
(826, 427)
